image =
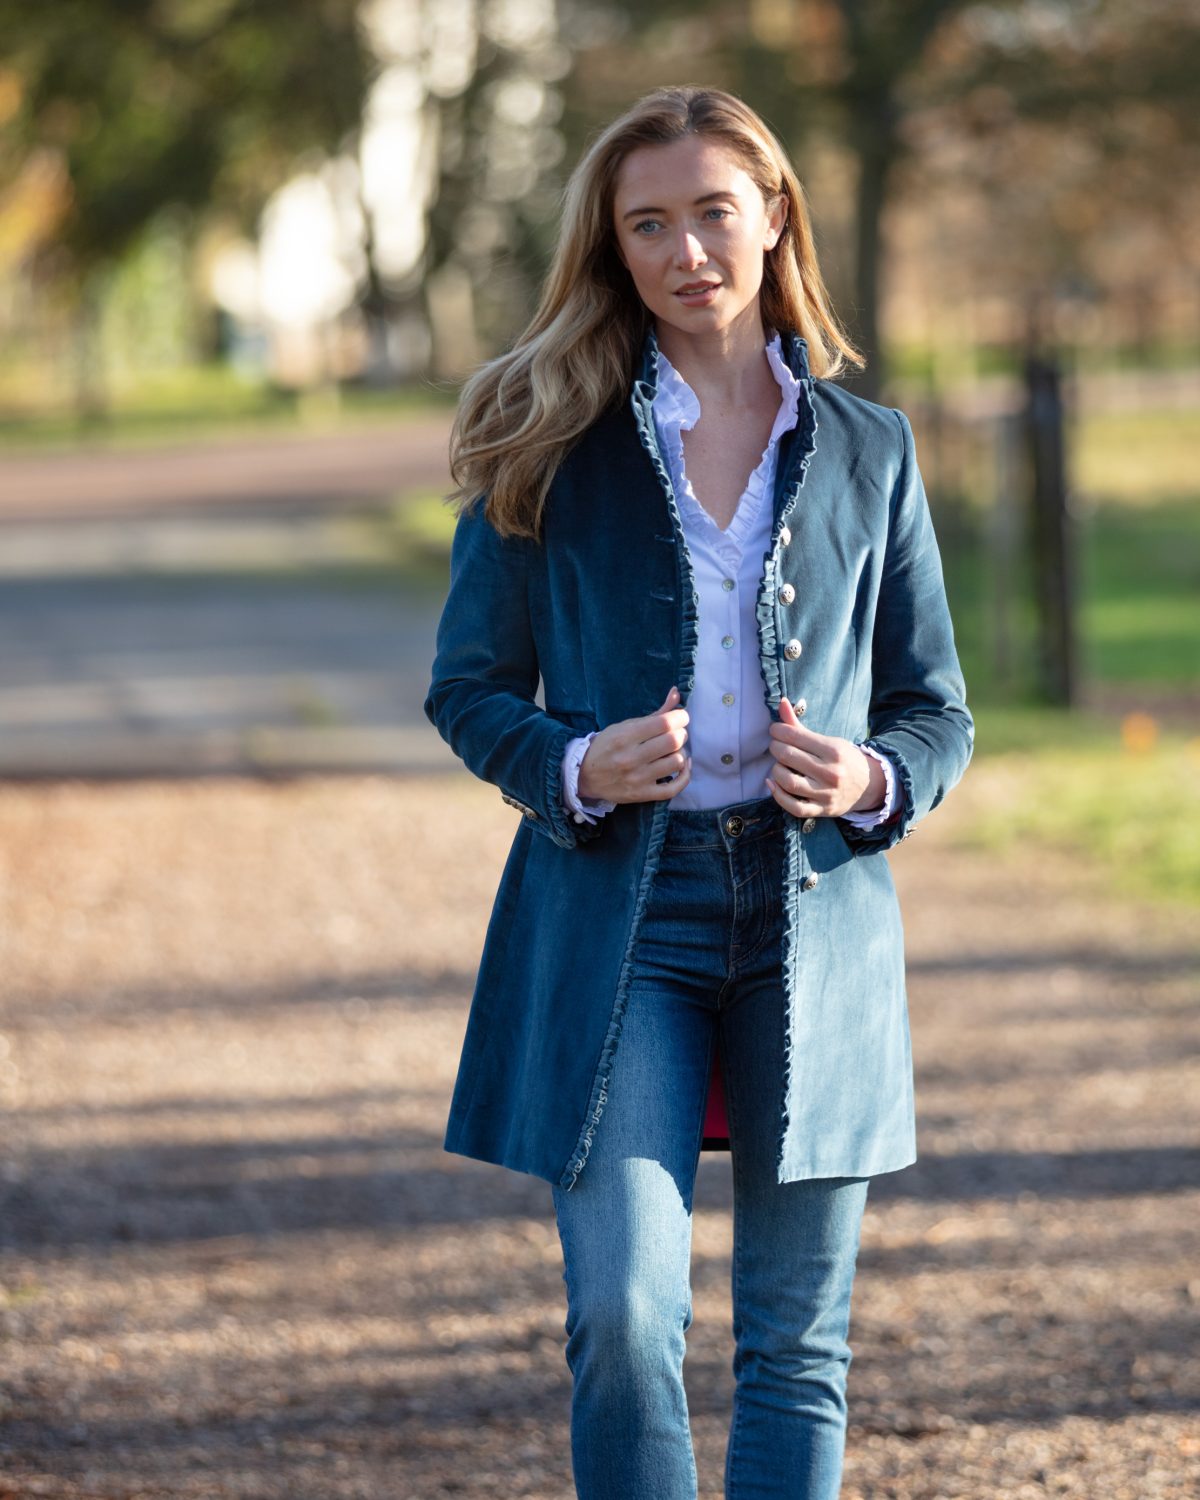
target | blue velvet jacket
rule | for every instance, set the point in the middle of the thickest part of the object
(603, 610)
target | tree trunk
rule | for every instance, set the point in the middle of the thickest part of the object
(874, 141)
(91, 392)
(1051, 535)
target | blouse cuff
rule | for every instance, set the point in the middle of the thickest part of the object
(581, 808)
(875, 816)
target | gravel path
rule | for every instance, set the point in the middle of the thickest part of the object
(235, 1262)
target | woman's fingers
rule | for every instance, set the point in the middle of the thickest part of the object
(795, 759)
(668, 716)
(661, 791)
(793, 732)
(800, 807)
(672, 738)
(667, 765)
(800, 784)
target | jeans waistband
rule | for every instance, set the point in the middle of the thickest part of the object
(723, 827)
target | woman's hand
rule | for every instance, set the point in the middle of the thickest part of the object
(625, 761)
(820, 775)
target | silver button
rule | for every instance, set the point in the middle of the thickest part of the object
(808, 825)
(786, 594)
(785, 536)
(801, 707)
(727, 759)
(579, 818)
(727, 698)
(811, 880)
(734, 825)
(793, 649)
(726, 584)
(727, 641)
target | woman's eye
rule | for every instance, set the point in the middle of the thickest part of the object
(725, 213)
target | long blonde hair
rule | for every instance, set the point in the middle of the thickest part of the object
(521, 412)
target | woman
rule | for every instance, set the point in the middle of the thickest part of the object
(723, 569)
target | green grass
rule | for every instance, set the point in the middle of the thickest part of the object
(1140, 596)
(208, 401)
(1139, 604)
(918, 360)
(1066, 779)
(1133, 813)
(1139, 459)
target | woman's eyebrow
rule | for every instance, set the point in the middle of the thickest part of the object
(704, 198)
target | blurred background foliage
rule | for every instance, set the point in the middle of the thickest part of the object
(220, 214)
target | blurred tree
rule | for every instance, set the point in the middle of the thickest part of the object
(900, 81)
(1078, 130)
(150, 103)
(839, 64)
(492, 218)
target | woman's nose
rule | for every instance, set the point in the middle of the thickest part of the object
(689, 251)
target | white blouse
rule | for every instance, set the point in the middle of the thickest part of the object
(728, 719)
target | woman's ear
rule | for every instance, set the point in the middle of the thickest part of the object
(777, 221)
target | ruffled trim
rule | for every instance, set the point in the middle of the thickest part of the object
(888, 806)
(563, 829)
(642, 401)
(677, 410)
(887, 835)
(582, 809)
(789, 481)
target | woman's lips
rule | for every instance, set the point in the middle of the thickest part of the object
(703, 294)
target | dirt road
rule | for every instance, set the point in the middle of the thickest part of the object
(235, 1262)
(269, 472)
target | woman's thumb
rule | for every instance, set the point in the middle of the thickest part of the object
(671, 699)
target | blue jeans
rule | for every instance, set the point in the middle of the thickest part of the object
(707, 966)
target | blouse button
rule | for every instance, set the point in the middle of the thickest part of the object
(811, 880)
(786, 594)
(726, 584)
(785, 536)
(793, 649)
(727, 759)
(801, 707)
(727, 641)
(727, 699)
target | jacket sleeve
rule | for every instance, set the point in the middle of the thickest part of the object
(918, 713)
(485, 676)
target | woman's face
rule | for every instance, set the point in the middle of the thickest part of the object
(688, 213)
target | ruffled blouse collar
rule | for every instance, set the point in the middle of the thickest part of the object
(677, 409)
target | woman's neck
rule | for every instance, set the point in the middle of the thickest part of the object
(726, 367)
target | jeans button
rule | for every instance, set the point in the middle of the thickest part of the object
(734, 825)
